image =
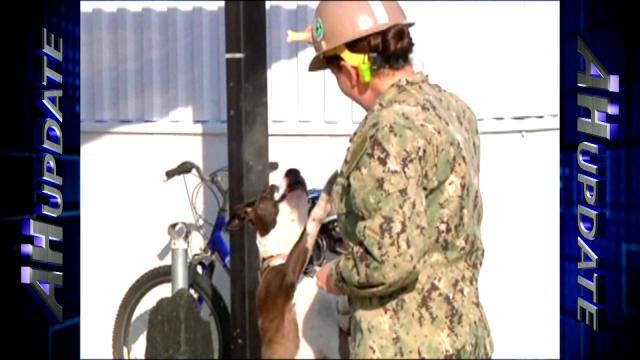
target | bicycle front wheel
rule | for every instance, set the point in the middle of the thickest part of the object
(129, 330)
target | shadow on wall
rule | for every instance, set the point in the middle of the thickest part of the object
(167, 66)
(150, 65)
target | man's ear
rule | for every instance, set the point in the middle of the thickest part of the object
(351, 73)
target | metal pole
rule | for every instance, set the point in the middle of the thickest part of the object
(246, 61)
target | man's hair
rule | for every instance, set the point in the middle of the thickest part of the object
(391, 47)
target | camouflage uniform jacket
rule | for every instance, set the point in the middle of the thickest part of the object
(408, 201)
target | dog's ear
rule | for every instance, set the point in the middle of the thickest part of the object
(239, 214)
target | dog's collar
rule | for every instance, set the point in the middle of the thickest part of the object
(272, 260)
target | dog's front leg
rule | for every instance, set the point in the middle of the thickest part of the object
(344, 325)
(302, 249)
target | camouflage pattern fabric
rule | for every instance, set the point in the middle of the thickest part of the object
(408, 201)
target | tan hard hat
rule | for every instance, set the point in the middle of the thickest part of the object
(336, 23)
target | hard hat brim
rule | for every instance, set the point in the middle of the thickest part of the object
(318, 63)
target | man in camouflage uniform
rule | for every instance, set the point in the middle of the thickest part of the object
(408, 200)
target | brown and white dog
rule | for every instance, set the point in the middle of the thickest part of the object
(295, 318)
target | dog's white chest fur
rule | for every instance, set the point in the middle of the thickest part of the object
(317, 316)
(316, 310)
(292, 216)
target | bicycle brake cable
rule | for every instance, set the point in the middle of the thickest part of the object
(190, 197)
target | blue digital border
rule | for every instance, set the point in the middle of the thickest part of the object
(607, 29)
(29, 329)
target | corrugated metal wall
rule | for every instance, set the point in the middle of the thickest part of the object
(153, 65)
(166, 64)
(301, 102)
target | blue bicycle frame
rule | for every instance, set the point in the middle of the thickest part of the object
(217, 243)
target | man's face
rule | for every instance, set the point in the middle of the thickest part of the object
(350, 85)
(342, 75)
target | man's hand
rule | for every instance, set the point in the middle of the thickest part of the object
(323, 279)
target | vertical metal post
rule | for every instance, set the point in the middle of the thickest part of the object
(246, 61)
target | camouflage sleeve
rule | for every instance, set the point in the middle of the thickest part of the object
(391, 236)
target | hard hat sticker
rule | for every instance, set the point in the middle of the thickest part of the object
(318, 29)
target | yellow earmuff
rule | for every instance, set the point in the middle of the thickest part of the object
(360, 61)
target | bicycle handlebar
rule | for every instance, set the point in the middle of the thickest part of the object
(216, 178)
(187, 166)
(184, 168)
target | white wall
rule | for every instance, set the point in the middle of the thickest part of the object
(519, 281)
(501, 57)
(126, 209)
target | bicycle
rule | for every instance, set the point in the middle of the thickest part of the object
(193, 272)
(183, 271)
